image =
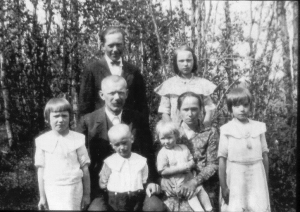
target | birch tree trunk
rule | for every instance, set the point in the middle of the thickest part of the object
(227, 36)
(163, 72)
(295, 42)
(5, 92)
(182, 23)
(192, 42)
(75, 70)
(200, 32)
(284, 35)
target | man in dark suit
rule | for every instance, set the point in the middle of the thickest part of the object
(112, 40)
(95, 126)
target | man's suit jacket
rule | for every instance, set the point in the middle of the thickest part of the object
(95, 126)
(95, 72)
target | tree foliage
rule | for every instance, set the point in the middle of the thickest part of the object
(44, 57)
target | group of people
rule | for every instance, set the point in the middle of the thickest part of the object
(112, 163)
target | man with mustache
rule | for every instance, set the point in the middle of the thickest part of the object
(112, 63)
(95, 126)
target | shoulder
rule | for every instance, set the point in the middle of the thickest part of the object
(93, 116)
(131, 67)
(78, 138)
(257, 123)
(138, 157)
(257, 127)
(44, 138)
(202, 86)
(226, 126)
(168, 86)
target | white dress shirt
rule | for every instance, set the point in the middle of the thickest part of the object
(114, 69)
(112, 116)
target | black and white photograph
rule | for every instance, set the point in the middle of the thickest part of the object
(148, 105)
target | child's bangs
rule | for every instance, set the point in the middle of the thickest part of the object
(242, 99)
(59, 107)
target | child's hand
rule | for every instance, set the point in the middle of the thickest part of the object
(225, 195)
(86, 200)
(191, 164)
(42, 206)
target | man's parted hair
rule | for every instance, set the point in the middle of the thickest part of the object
(111, 30)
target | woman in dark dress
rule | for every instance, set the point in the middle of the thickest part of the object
(203, 144)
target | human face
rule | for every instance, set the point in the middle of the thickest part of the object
(168, 140)
(185, 63)
(241, 112)
(114, 46)
(59, 121)
(190, 110)
(114, 94)
(122, 145)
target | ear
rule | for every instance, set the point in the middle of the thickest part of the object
(126, 93)
(101, 94)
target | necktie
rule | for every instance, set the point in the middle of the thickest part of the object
(115, 120)
(117, 63)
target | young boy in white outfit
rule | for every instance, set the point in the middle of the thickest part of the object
(124, 173)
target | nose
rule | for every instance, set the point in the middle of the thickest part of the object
(189, 112)
(117, 96)
(114, 48)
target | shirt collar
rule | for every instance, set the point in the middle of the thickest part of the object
(109, 60)
(111, 116)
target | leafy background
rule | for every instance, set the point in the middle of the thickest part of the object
(45, 44)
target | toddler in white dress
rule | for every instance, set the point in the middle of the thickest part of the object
(176, 161)
(243, 158)
(62, 161)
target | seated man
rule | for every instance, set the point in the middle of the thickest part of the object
(95, 126)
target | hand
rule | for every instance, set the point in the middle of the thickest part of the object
(152, 188)
(188, 189)
(225, 195)
(86, 200)
(166, 185)
(191, 164)
(43, 204)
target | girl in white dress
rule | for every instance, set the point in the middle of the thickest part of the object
(243, 158)
(62, 161)
(175, 161)
(185, 68)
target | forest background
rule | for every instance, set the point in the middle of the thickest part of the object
(44, 45)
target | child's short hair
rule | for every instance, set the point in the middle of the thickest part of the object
(57, 105)
(166, 127)
(238, 96)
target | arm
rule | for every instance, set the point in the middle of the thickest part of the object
(222, 178)
(104, 176)
(165, 107)
(266, 164)
(43, 200)
(211, 165)
(207, 168)
(86, 187)
(180, 168)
